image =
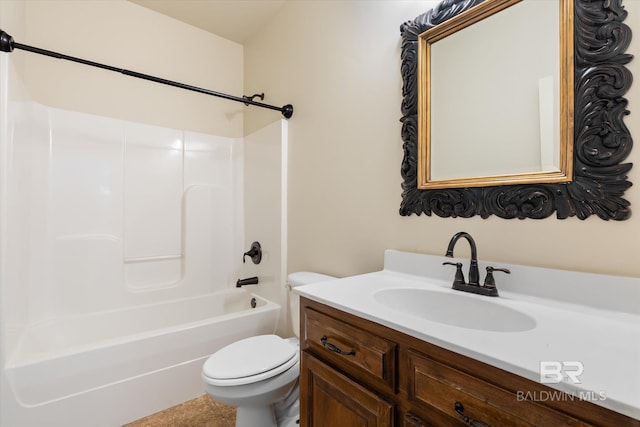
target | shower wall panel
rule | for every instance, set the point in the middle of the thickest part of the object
(265, 205)
(111, 214)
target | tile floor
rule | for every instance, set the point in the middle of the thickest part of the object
(199, 412)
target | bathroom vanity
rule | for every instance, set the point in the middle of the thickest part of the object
(364, 364)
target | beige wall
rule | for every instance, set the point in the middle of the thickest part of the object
(125, 35)
(338, 63)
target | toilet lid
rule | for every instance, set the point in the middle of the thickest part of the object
(240, 362)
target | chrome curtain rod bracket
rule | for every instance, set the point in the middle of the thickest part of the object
(7, 44)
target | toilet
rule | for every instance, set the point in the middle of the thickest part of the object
(259, 375)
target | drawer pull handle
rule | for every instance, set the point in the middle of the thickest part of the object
(335, 349)
(470, 421)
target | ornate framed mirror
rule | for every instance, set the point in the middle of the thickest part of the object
(586, 139)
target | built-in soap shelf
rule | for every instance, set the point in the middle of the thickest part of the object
(131, 260)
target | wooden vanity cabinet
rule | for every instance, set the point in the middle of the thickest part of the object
(357, 373)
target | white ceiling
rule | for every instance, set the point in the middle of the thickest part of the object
(236, 20)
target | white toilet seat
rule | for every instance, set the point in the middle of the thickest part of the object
(250, 360)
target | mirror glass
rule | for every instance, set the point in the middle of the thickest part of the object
(493, 107)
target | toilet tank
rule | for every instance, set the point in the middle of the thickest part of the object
(298, 279)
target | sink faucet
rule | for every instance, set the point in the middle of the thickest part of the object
(489, 287)
(474, 275)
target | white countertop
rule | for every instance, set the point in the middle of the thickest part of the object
(605, 341)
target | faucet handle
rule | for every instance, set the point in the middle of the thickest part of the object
(489, 281)
(255, 253)
(459, 278)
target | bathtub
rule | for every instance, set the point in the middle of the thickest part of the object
(110, 368)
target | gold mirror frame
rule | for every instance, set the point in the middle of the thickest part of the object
(460, 22)
(601, 140)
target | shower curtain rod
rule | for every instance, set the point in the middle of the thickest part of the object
(7, 44)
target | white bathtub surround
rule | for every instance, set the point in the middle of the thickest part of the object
(120, 246)
(118, 207)
(577, 317)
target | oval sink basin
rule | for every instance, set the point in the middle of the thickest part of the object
(459, 310)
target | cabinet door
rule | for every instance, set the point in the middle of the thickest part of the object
(329, 399)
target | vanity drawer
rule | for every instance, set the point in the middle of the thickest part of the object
(357, 352)
(446, 389)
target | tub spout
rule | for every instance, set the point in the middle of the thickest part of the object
(247, 281)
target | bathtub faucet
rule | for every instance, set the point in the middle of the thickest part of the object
(247, 281)
(255, 253)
